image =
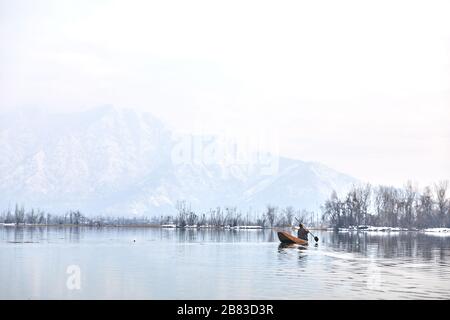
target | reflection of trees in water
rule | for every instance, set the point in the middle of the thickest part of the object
(21, 234)
(185, 235)
(36, 234)
(73, 234)
(271, 237)
(394, 245)
(18, 234)
(9, 233)
(214, 235)
(69, 234)
(77, 233)
(388, 245)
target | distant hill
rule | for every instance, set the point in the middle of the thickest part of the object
(121, 162)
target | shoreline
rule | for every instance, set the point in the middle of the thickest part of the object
(13, 225)
(384, 230)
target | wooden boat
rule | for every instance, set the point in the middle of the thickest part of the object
(286, 237)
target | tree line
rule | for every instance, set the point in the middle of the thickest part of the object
(388, 206)
(20, 216)
(219, 217)
(271, 216)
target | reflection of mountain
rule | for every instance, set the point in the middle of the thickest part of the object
(118, 161)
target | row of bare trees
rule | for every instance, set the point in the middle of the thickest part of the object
(19, 216)
(405, 207)
(220, 217)
(230, 216)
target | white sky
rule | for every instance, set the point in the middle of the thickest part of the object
(361, 86)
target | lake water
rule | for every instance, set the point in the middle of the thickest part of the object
(153, 263)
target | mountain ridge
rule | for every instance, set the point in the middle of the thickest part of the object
(116, 161)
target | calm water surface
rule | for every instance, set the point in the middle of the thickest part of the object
(211, 264)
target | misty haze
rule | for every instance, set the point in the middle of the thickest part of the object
(224, 150)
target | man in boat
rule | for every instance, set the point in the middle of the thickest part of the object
(302, 232)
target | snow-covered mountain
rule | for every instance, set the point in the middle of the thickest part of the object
(121, 162)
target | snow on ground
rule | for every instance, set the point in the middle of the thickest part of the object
(386, 230)
(437, 231)
(371, 229)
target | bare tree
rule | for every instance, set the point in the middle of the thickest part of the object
(332, 210)
(9, 217)
(386, 201)
(271, 214)
(261, 221)
(202, 220)
(19, 215)
(182, 213)
(41, 217)
(191, 219)
(425, 209)
(442, 202)
(408, 200)
(363, 195)
(289, 215)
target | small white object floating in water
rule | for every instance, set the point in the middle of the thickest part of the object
(168, 226)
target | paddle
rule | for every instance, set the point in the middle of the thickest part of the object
(315, 238)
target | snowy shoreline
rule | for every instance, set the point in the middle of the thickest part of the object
(440, 231)
(371, 229)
